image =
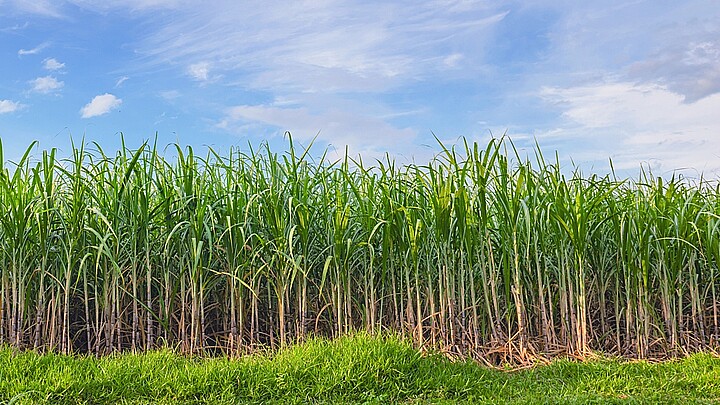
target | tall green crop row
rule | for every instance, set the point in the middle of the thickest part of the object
(480, 252)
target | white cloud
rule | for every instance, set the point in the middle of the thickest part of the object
(637, 123)
(100, 105)
(33, 51)
(8, 106)
(199, 71)
(46, 84)
(52, 64)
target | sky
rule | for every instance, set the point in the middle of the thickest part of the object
(634, 82)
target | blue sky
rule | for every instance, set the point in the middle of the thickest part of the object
(635, 81)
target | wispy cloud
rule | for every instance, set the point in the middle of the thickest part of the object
(8, 106)
(369, 135)
(133, 5)
(46, 85)
(351, 52)
(33, 51)
(199, 71)
(343, 46)
(100, 105)
(626, 80)
(598, 79)
(452, 60)
(52, 64)
(43, 8)
(14, 28)
(120, 81)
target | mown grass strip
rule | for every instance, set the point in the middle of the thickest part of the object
(353, 369)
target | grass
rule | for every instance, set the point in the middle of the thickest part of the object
(357, 368)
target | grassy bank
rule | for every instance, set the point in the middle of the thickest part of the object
(356, 368)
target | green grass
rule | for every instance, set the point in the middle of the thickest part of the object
(353, 369)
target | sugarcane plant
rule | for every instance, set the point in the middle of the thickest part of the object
(481, 252)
